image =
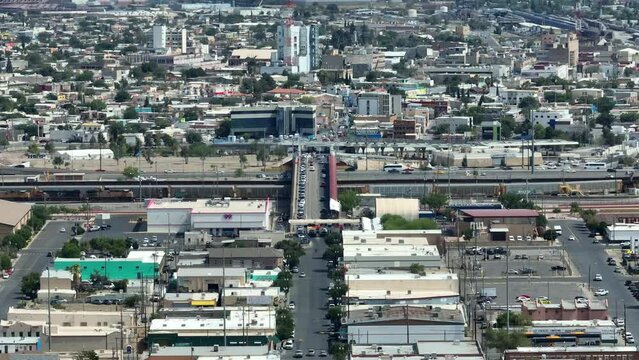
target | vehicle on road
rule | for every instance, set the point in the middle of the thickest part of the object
(619, 322)
(601, 292)
(598, 277)
(310, 352)
(288, 345)
(520, 238)
(513, 271)
(298, 354)
(595, 166)
(295, 270)
(571, 238)
(558, 268)
(522, 298)
(5, 275)
(302, 274)
(62, 230)
(394, 167)
(557, 229)
(94, 228)
(291, 305)
(323, 353)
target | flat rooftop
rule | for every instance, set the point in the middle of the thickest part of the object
(211, 272)
(208, 206)
(395, 250)
(398, 276)
(382, 314)
(256, 318)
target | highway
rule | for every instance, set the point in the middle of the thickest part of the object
(32, 259)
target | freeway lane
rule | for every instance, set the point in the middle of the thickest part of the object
(32, 259)
(586, 255)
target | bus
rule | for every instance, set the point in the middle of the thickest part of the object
(394, 167)
(595, 166)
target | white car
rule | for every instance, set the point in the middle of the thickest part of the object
(288, 345)
(519, 238)
(598, 277)
(94, 228)
(522, 298)
(169, 171)
(511, 238)
(571, 238)
(291, 305)
(601, 292)
(620, 322)
(63, 230)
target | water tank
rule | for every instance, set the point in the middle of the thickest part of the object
(412, 13)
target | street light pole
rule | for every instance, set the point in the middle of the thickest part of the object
(49, 304)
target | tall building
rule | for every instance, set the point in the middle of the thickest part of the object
(297, 48)
(573, 49)
(273, 120)
(159, 37)
(379, 103)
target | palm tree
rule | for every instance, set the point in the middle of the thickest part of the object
(77, 275)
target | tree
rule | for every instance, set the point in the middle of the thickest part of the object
(131, 301)
(97, 105)
(575, 208)
(243, 160)
(338, 291)
(416, 269)
(122, 96)
(512, 200)
(435, 201)
(71, 249)
(9, 68)
(293, 250)
(349, 199)
(131, 172)
(30, 284)
(238, 173)
(33, 148)
(515, 319)
(529, 103)
(57, 161)
(550, 235)
(333, 253)
(629, 117)
(284, 323)
(86, 355)
(193, 137)
(130, 113)
(223, 129)
(335, 314)
(5, 262)
(284, 280)
(49, 147)
(502, 340)
(339, 351)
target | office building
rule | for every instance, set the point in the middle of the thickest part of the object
(379, 103)
(260, 121)
(159, 37)
(137, 265)
(297, 49)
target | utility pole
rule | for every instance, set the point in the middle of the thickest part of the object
(49, 304)
(223, 284)
(507, 288)
(532, 147)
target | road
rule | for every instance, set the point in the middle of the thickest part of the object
(32, 259)
(591, 258)
(483, 175)
(309, 293)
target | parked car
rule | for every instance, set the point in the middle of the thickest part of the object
(601, 292)
(598, 277)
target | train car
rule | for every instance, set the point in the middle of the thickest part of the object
(68, 176)
(108, 194)
(17, 195)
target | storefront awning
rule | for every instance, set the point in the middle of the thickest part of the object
(499, 230)
(203, 303)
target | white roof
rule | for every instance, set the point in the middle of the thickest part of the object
(211, 272)
(396, 250)
(57, 274)
(259, 318)
(205, 206)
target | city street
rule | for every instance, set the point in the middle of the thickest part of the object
(590, 259)
(309, 293)
(33, 259)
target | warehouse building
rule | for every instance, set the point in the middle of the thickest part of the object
(218, 217)
(14, 216)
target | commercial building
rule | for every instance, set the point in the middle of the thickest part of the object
(379, 103)
(182, 300)
(566, 310)
(249, 325)
(260, 121)
(491, 130)
(556, 118)
(623, 232)
(388, 287)
(435, 350)
(453, 122)
(10, 345)
(499, 224)
(406, 208)
(137, 265)
(252, 352)
(572, 333)
(392, 237)
(243, 296)
(250, 258)
(404, 324)
(198, 279)
(216, 216)
(13, 217)
(391, 256)
(573, 352)
(158, 37)
(56, 284)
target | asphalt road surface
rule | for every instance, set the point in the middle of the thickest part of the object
(32, 259)
(591, 258)
(483, 174)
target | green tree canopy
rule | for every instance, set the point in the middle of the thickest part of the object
(130, 172)
(349, 199)
(30, 284)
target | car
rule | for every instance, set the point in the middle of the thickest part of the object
(630, 339)
(540, 257)
(524, 257)
(571, 237)
(288, 344)
(62, 230)
(298, 354)
(528, 238)
(617, 269)
(598, 277)
(601, 292)
(49, 254)
(558, 268)
(619, 322)
(310, 352)
(595, 241)
(295, 270)
(581, 300)
(169, 171)
(520, 238)
(5, 275)
(511, 238)
(302, 274)
(513, 271)
(612, 263)
(497, 256)
(323, 353)
(522, 298)
(94, 228)
(517, 257)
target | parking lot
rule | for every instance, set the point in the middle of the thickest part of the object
(538, 262)
(554, 290)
